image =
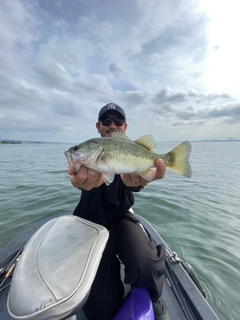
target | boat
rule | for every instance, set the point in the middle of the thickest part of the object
(43, 254)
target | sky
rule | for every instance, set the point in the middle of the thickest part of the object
(172, 65)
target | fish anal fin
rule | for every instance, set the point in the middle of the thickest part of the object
(148, 175)
(108, 178)
(146, 141)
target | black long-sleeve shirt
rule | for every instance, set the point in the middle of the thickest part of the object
(101, 205)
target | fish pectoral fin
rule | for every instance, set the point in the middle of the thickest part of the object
(146, 141)
(148, 174)
(108, 178)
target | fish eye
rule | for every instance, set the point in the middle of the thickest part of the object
(75, 148)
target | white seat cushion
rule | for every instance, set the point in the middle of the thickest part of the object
(56, 269)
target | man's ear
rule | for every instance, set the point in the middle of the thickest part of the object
(98, 126)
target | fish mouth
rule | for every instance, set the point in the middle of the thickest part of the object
(72, 157)
(75, 166)
(68, 157)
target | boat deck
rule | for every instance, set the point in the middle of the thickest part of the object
(183, 299)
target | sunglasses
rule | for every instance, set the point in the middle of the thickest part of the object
(107, 122)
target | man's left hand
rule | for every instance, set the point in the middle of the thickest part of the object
(134, 180)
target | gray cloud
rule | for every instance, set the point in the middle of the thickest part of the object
(188, 123)
(231, 112)
(168, 95)
(115, 69)
(227, 113)
(213, 96)
(186, 33)
(194, 108)
(60, 61)
(136, 98)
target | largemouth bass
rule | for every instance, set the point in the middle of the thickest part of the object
(118, 155)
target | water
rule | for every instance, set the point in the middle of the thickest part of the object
(199, 218)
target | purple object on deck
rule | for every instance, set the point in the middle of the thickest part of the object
(138, 306)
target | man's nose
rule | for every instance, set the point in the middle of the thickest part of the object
(112, 125)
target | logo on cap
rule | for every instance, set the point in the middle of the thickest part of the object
(111, 106)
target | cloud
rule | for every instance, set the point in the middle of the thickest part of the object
(194, 108)
(18, 32)
(60, 61)
(230, 112)
(214, 96)
(168, 95)
(116, 70)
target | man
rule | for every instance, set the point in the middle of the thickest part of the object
(110, 206)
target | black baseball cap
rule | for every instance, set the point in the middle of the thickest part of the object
(111, 106)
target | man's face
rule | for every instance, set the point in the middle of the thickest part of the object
(106, 131)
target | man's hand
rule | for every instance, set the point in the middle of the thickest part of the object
(134, 180)
(85, 178)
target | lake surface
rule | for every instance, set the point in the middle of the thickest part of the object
(199, 218)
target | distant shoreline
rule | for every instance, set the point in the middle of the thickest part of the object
(24, 142)
(10, 142)
(47, 142)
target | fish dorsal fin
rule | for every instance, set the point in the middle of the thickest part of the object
(146, 141)
(119, 135)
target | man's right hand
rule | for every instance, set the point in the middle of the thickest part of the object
(85, 178)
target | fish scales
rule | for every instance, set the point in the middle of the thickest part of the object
(123, 156)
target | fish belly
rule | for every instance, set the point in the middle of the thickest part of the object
(124, 163)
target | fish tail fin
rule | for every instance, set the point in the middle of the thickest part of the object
(178, 159)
